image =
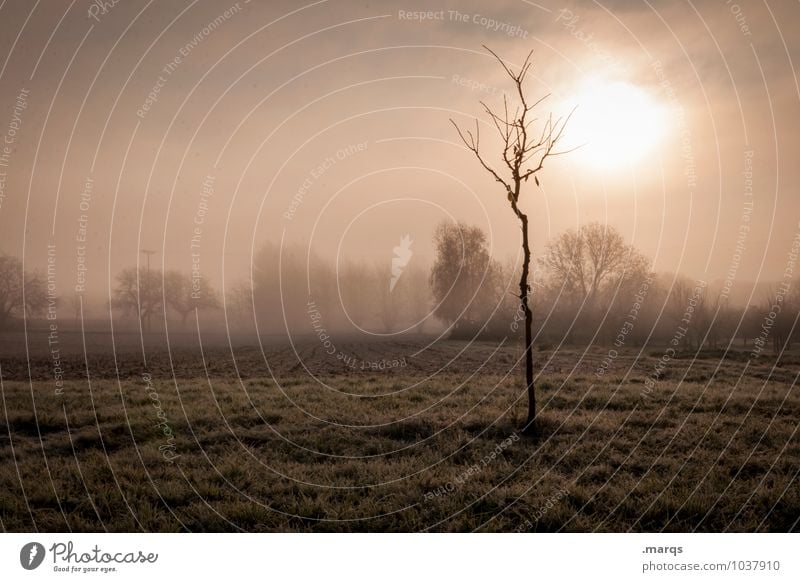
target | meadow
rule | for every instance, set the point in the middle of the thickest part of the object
(399, 436)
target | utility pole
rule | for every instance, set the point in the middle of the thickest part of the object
(147, 253)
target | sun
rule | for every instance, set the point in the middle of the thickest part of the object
(615, 124)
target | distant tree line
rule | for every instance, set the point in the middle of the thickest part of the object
(146, 294)
(588, 287)
(350, 296)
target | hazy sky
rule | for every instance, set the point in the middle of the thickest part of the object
(329, 122)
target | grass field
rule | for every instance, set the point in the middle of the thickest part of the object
(418, 440)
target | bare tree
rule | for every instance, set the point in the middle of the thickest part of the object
(523, 156)
(687, 306)
(712, 315)
(588, 261)
(750, 323)
(138, 292)
(464, 280)
(185, 294)
(20, 291)
(780, 306)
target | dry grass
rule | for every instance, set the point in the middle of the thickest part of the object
(711, 449)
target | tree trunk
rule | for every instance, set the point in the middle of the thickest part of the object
(524, 296)
(517, 155)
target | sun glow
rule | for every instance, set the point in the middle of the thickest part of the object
(615, 123)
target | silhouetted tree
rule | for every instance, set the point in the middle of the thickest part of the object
(184, 295)
(780, 307)
(589, 269)
(138, 292)
(20, 291)
(588, 261)
(712, 316)
(464, 279)
(523, 156)
(750, 323)
(685, 303)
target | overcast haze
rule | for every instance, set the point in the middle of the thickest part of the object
(329, 123)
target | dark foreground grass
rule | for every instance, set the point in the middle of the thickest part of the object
(373, 452)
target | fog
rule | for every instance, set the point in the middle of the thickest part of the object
(213, 140)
